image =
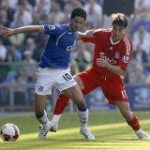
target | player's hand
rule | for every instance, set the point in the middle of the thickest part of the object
(102, 62)
(5, 32)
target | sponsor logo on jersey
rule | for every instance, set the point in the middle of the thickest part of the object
(111, 61)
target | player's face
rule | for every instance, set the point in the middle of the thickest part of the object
(76, 23)
(118, 32)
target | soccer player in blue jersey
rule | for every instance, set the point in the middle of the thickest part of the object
(54, 69)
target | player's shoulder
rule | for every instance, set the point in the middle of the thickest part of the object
(59, 26)
(126, 38)
(127, 41)
(52, 27)
(127, 44)
(102, 31)
(63, 25)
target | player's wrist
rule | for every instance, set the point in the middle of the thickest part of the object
(107, 66)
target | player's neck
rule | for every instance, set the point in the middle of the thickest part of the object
(114, 41)
(70, 28)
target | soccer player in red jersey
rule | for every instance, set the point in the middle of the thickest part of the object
(111, 58)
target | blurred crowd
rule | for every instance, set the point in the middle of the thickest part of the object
(24, 50)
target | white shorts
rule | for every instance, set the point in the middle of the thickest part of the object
(47, 78)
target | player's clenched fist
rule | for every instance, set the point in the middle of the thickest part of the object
(101, 62)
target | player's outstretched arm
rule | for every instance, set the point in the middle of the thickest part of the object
(87, 34)
(6, 32)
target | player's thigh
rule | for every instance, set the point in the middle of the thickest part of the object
(67, 85)
(114, 93)
(45, 78)
(87, 81)
(44, 81)
(65, 80)
(79, 81)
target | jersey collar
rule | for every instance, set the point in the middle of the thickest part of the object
(113, 43)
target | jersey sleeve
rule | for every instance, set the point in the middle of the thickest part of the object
(125, 55)
(97, 35)
(92, 39)
(50, 29)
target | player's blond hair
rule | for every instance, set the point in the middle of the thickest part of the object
(119, 19)
(118, 16)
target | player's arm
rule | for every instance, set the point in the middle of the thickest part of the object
(120, 67)
(6, 32)
(87, 34)
(115, 69)
(112, 68)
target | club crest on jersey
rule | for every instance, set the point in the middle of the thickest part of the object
(117, 55)
(41, 88)
(51, 27)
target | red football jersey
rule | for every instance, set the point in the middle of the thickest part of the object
(115, 53)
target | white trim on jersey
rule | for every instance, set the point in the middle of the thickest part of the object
(103, 29)
(127, 44)
(60, 37)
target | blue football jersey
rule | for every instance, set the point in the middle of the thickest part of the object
(58, 49)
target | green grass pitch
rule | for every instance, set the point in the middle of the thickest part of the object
(109, 128)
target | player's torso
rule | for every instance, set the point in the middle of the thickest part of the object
(59, 47)
(109, 51)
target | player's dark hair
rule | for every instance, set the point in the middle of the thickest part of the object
(119, 19)
(78, 12)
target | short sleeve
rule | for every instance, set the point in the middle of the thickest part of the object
(90, 39)
(124, 61)
(50, 29)
(126, 55)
